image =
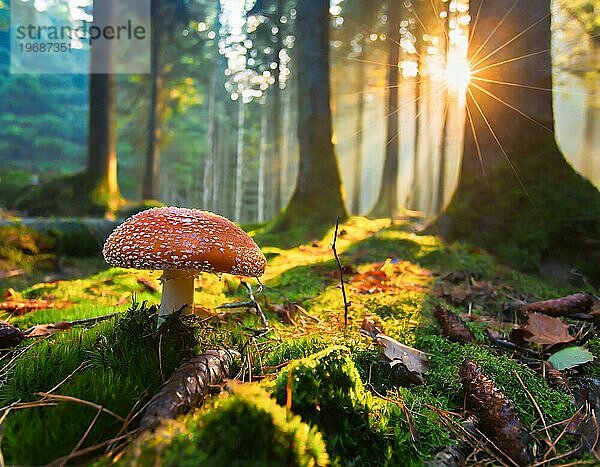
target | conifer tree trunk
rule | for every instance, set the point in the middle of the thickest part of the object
(358, 139)
(317, 199)
(517, 195)
(208, 193)
(387, 202)
(262, 164)
(150, 185)
(239, 162)
(101, 169)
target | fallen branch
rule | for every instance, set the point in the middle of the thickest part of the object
(188, 386)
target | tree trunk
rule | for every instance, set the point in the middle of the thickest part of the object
(239, 162)
(358, 139)
(101, 170)
(317, 199)
(262, 164)
(387, 202)
(517, 195)
(150, 186)
(276, 113)
(208, 192)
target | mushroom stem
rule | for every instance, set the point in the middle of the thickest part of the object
(178, 291)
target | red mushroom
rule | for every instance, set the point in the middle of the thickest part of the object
(182, 242)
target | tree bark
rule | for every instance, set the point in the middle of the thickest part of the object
(262, 164)
(239, 161)
(101, 169)
(317, 199)
(276, 112)
(208, 192)
(150, 186)
(387, 202)
(358, 139)
(517, 195)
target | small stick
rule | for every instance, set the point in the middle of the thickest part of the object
(81, 365)
(85, 435)
(252, 303)
(60, 397)
(414, 434)
(537, 407)
(341, 270)
(91, 449)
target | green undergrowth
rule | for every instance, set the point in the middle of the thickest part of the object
(335, 376)
(243, 428)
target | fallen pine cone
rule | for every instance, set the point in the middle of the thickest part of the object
(454, 328)
(565, 306)
(497, 417)
(188, 386)
(10, 335)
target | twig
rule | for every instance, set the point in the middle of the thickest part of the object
(414, 434)
(252, 303)
(60, 397)
(341, 270)
(537, 407)
(81, 365)
(471, 438)
(85, 435)
(90, 449)
(160, 368)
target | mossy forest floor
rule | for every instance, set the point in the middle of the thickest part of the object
(356, 406)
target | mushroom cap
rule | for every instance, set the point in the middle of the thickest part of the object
(180, 238)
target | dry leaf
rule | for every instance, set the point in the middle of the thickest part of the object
(415, 361)
(149, 284)
(542, 329)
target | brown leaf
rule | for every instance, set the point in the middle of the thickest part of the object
(542, 329)
(25, 306)
(42, 330)
(370, 327)
(373, 281)
(149, 284)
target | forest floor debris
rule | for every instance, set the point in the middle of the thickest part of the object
(363, 410)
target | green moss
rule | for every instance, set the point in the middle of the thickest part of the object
(68, 195)
(120, 365)
(548, 222)
(244, 428)
(326, 390)
(443, 378)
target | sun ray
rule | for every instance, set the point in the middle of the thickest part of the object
(500, 23)
(537, 88)
(509, 60)
(437, 15)
(414, 101)
(512, 39)
(512, 166)
(491, 94)
(474, 25)
(479, 155)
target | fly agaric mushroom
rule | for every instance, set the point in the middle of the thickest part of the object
(182, 242)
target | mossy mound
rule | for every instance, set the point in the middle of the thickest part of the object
(243, 428)
(68, 195)
(553, 226)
